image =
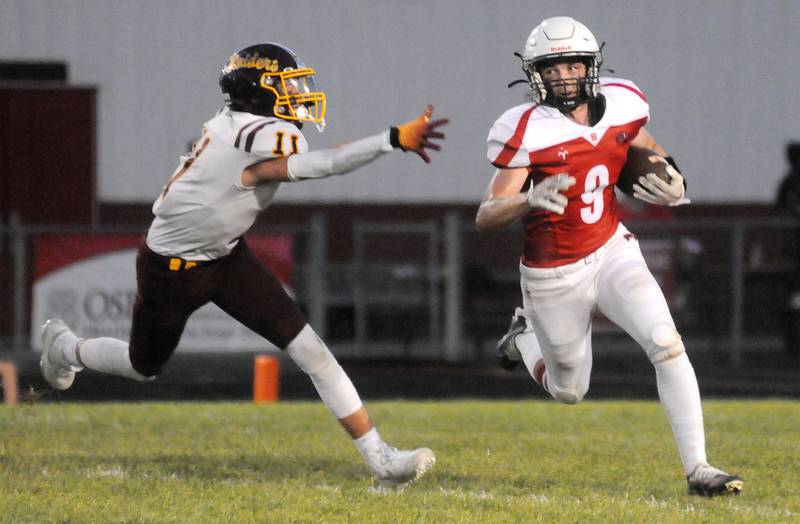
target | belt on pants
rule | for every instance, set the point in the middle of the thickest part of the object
(544, 273)
(559, 271)
(593, 257)
(178, 263)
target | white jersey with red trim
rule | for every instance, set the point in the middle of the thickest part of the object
(546, 142)
(204, 208)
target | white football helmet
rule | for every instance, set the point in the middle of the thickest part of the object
(556, 38)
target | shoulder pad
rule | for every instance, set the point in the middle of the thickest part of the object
(264, 136)
(273, 139)
(606, 82)
(505, 140)
(624, 100)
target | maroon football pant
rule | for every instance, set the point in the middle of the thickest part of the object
(239, 284)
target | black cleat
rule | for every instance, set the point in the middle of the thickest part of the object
(510, 356)
(706, 481)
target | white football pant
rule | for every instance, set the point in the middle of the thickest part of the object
(560, 301)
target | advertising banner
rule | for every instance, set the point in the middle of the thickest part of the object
(89, 281)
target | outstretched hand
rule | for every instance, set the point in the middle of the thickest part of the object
(417, 134)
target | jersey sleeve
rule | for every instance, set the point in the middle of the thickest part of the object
(629, 102)
(505, 141)
(261, 137)
(278, 138)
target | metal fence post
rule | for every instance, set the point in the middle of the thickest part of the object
(359, 307)
(434, 277)
(317, 262)
(737, 293)
(453, 289)
(19, 254)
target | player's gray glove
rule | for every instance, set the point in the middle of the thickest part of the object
(547, 193)
(654, 190)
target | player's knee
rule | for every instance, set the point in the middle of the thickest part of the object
(567, 396)
(571, 394)
(665, 343)
(147, 358)
(568, 362)
(144, 371)
(143, 378)
(309, 352)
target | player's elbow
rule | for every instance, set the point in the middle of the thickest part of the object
(480, 225)
(486, 224)
(483, 226)
(486, 220)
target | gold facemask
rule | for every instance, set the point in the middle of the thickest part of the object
(296, 95)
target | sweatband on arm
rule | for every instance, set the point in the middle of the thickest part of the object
(338, 160)
(671, 161)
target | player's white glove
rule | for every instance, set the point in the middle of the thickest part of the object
(547, 193)
(653, 190)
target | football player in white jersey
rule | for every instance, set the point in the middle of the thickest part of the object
(194, 252)
(558, 158)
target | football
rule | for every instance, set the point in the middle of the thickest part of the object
(638, 165)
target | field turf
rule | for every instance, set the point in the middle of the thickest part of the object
(526, 461)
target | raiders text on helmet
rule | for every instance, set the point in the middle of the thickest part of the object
(270, 80)
(556, 38)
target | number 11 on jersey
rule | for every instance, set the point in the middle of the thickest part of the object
(279, 150)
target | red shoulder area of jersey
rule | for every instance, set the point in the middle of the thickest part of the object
(512, 145)
(525, 130)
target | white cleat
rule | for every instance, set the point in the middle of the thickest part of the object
(507, 350)
(394, 468)
(55, 368)
(708, 481)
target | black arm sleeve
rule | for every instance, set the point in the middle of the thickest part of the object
(671, 161)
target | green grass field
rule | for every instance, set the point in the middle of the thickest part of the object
(290, 462)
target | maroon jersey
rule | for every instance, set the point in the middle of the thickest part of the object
(546, 142)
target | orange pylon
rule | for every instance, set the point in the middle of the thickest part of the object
(265, 379)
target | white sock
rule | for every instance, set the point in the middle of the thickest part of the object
(368, 442)
(109, 355)
(69, 351)
(529, 348)
(331, 382)
(680, 396)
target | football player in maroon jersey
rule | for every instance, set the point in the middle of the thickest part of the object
(194, 252)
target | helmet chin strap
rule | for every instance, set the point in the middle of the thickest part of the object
(566, 105)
